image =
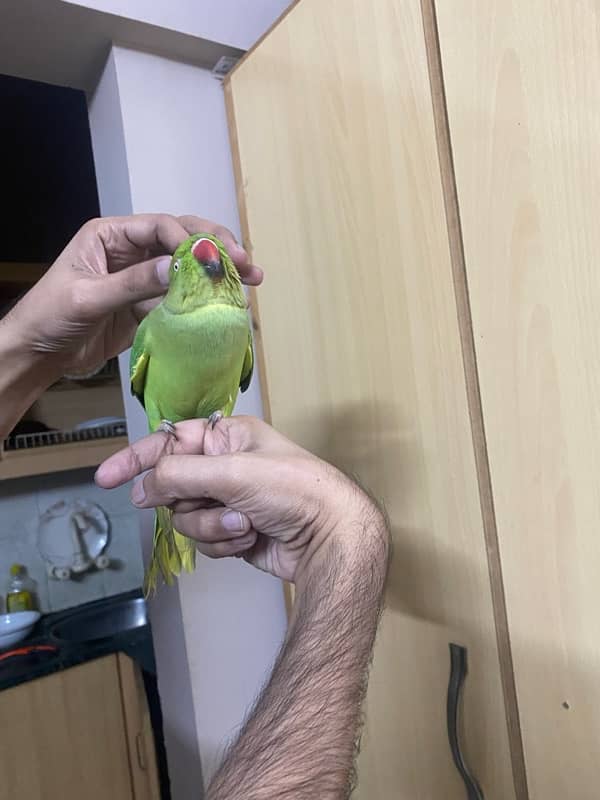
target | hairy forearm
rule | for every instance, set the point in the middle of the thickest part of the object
(300, 741)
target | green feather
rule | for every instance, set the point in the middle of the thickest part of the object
(190, 356)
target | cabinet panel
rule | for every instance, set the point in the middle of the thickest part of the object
(138, 730)
(522, 92)
(339, 187)
(63, 736)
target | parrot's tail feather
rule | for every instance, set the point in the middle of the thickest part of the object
(186, 548)
(150, 579)
(171, 552)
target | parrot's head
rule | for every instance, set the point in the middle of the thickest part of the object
(201, 273)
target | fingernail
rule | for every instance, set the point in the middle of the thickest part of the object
(162, 270)
(138, 495)
(233, 521)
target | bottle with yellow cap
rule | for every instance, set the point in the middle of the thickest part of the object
(21, 595)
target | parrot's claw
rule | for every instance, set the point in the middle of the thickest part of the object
(166, 426)
(215, 417)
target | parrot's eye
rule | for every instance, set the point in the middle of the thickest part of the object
(176, 266)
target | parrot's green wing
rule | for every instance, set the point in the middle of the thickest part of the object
(248, 366)
(138, 362)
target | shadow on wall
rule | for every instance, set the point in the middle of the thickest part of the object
(433, 585)
(365, 442)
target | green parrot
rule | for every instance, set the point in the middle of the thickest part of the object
(190, 356)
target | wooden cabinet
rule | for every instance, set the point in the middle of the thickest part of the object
(521, 84)
(83, 732)
(341, 193)
(420, 182)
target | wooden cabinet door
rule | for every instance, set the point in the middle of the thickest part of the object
(341, 198)
(523, 100)
(63, 736)
(84, 732)
(138, 731)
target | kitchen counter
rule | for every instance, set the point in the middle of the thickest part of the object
(135, 642)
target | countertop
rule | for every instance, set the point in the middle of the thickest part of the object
(136, 643)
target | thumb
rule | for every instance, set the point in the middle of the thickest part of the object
(130, 285)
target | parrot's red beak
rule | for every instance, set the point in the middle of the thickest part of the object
(206, 252)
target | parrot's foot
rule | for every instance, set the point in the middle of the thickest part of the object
(166, 426)
(215, 417)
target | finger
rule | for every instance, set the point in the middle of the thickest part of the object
(249, 273)
(212, 525)
(193, 437)
(144, 454)
(129, 239)
(194, 224)
(229, 547)
(108, 293)
(187, 477)
(186, 506)
(144, 307)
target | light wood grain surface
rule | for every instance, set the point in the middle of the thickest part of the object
(523, 100)
(64, 408)
(339, 183)
(58, 457)
(138, 730)
(63, 736)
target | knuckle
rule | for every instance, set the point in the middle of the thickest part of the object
(134, 464)
(163, 474)
(196, 529)
(246, 420)
(132, 281)
(209, 550)
(80, 298)
(186, 524)
(224, 549)
(223, 233)
(94, 224)
(166, 219)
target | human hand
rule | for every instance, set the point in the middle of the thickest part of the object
(242, 489)
(86, 308)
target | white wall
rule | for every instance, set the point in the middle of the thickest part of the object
(176, 145)
(174, 676)
(237, 23)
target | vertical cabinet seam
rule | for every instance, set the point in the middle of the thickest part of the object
(469, 356)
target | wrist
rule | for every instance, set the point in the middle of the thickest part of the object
(356, 535)
(25, 374)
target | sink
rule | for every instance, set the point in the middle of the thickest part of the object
(100, 623)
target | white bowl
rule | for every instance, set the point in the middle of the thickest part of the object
(16, 626)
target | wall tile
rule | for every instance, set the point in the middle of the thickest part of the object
(21, 548)
(65, 594)
(126, 571)
(21, 503)
(80, 483)
(16, 505)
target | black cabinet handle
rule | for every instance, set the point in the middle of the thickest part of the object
(458, 673)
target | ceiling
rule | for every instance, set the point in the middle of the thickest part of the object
(67, 45)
